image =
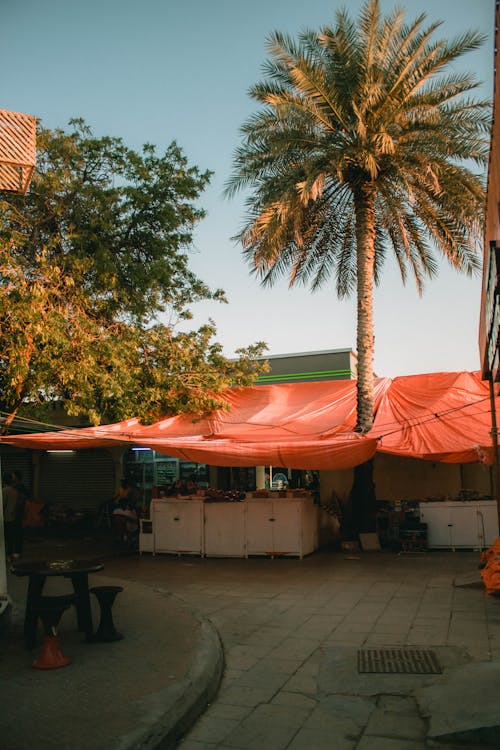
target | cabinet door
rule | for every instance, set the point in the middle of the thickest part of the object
(488, 522)
(178, 527)
(286, 528)
(260, 527)
(224, 529)
(437, 518)
(464, 525)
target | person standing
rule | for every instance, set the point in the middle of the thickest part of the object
(13, 507)
(23, 498)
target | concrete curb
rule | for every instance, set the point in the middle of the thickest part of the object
(198, 689)
(140, 693)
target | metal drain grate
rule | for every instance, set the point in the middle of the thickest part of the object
(398, 661)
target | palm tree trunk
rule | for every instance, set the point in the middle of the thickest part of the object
(364, 202)
(362, 497)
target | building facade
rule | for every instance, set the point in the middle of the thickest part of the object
(303, 367)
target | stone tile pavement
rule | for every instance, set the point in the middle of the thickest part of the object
(291, 630)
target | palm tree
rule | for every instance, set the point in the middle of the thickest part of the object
(364, 141)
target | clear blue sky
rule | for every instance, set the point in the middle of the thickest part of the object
(157, 70)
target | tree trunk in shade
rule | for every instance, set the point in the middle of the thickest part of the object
(362, 500)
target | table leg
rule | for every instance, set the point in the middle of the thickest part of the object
(35, 588)
(84, 612)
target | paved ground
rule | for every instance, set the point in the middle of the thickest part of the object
(290, 631)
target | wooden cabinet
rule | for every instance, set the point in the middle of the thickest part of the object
(281, 527)
(225, 529)
(178, 526)
(460, 524)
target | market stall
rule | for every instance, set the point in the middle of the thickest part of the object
(282, 523)
(437, 417)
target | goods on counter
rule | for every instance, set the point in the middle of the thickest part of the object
(223, 496)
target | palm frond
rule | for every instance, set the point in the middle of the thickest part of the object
(367, 102)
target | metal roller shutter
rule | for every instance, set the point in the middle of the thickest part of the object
(78, 479)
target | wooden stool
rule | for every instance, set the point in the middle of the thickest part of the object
(105, 595)
(50, 610)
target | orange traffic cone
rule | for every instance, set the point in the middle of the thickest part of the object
(51, 610)
(51, 656)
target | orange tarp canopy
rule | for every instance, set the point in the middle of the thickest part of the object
(444, 416)
(299, 425)
(439, 417)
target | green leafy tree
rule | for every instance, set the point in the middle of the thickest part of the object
(364, 143)
(92, 259)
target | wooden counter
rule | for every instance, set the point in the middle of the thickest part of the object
(284, 526)
(460, 524)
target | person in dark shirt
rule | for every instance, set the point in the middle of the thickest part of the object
(13, 509)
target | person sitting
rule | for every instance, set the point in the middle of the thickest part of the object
(125, 522)
(34, 514)
(125, 491)
(180, 487)
(191, 486)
